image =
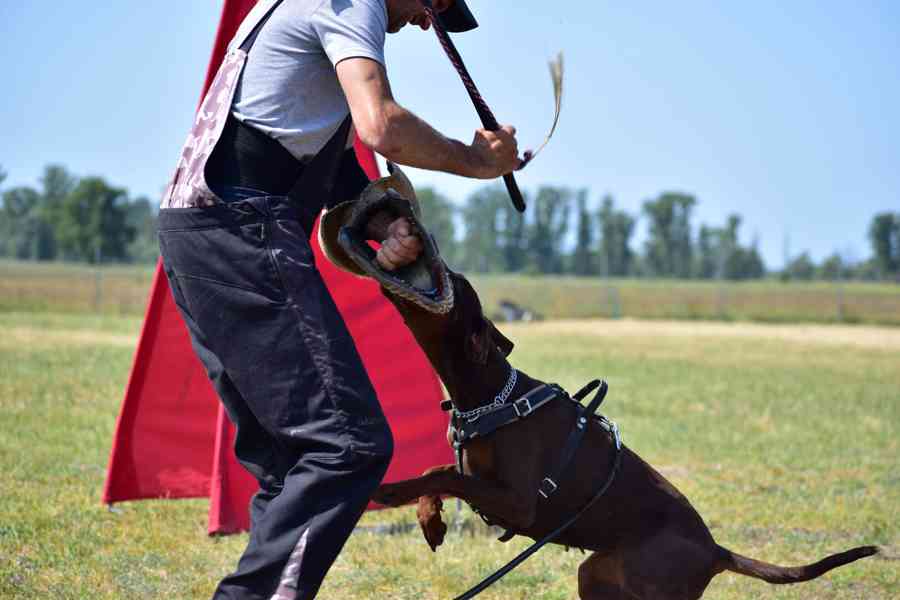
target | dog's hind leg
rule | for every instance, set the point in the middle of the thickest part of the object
(600, 577)
(668, 566)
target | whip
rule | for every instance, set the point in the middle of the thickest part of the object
(484, 112)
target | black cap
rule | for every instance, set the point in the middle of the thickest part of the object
(457, 19)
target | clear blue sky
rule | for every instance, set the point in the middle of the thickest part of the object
(785, 112)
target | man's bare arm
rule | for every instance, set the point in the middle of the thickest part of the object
(402, 137)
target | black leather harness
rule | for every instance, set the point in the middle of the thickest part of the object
(486, 419)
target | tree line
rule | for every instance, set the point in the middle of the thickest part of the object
(76, 219)
(561, 233)
(88, 220)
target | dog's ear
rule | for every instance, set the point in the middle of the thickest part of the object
(504, 343)
(485, 335)
(478, 343)
(481, 334)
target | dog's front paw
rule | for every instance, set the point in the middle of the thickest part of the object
(429, 515)
(392, 494)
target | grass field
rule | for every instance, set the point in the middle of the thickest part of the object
(785, 438)
(122, 290)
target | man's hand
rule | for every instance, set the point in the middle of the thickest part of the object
(494, 153)
(401, 247)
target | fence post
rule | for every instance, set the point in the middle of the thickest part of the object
(98, 290)
(615, 305)
(839, 296)
(98, 283)
(721, 301)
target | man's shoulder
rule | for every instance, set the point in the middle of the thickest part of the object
(352, 28)
(367, 13)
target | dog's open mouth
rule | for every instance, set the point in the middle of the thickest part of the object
(426, 281)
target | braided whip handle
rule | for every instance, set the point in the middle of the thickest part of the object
(481, 107)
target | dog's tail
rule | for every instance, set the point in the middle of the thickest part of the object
(775, 574)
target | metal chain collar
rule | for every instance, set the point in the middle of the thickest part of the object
(499, 400)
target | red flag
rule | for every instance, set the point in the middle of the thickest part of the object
(173, 439)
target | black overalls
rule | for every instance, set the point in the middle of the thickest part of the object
(309, 426)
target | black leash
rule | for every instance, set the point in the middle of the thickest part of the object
(617, 461)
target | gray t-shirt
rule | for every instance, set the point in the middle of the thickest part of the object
(289, 88)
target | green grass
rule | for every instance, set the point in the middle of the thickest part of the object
(784, 438)
(123, 290)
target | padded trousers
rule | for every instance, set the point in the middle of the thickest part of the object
(309, 425)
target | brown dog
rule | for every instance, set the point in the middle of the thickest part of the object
(648, 542)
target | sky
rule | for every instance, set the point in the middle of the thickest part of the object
(787, 113)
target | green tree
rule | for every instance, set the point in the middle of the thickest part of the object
(744, 263)
(514, 239)
(707, 252)
(729, 249)
(439, 216)
(668, 250)
(616, 228)
(866, 270)
(481, 218)
(4, 226)
(720, 255)
(801, 268)
(56, 184)
(93, 222)
(884, 235)
(141, 216)
(20, 225)
(584, 257)
(549, 225)
(834, 268)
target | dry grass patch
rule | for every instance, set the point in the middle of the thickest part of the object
(830, 335)
(28, 337)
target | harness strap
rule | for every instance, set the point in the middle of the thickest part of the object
(525, 554)
(484, 421)
(251, 38)
(245, 152)
(549, 484)
(492, 420)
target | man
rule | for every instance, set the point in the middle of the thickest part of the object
(268, 151)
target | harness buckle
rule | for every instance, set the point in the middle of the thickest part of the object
(547, 488)
(523, 407)
(616, 435)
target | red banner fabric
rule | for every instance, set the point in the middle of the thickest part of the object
(173, 439)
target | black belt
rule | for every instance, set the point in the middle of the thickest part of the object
(247, 157)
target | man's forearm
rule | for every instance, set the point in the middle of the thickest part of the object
(404, 138)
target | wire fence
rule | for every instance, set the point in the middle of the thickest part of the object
(767, 301)
(67, 288)
(124, 290)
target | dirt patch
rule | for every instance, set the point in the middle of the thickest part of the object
(884, 338)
